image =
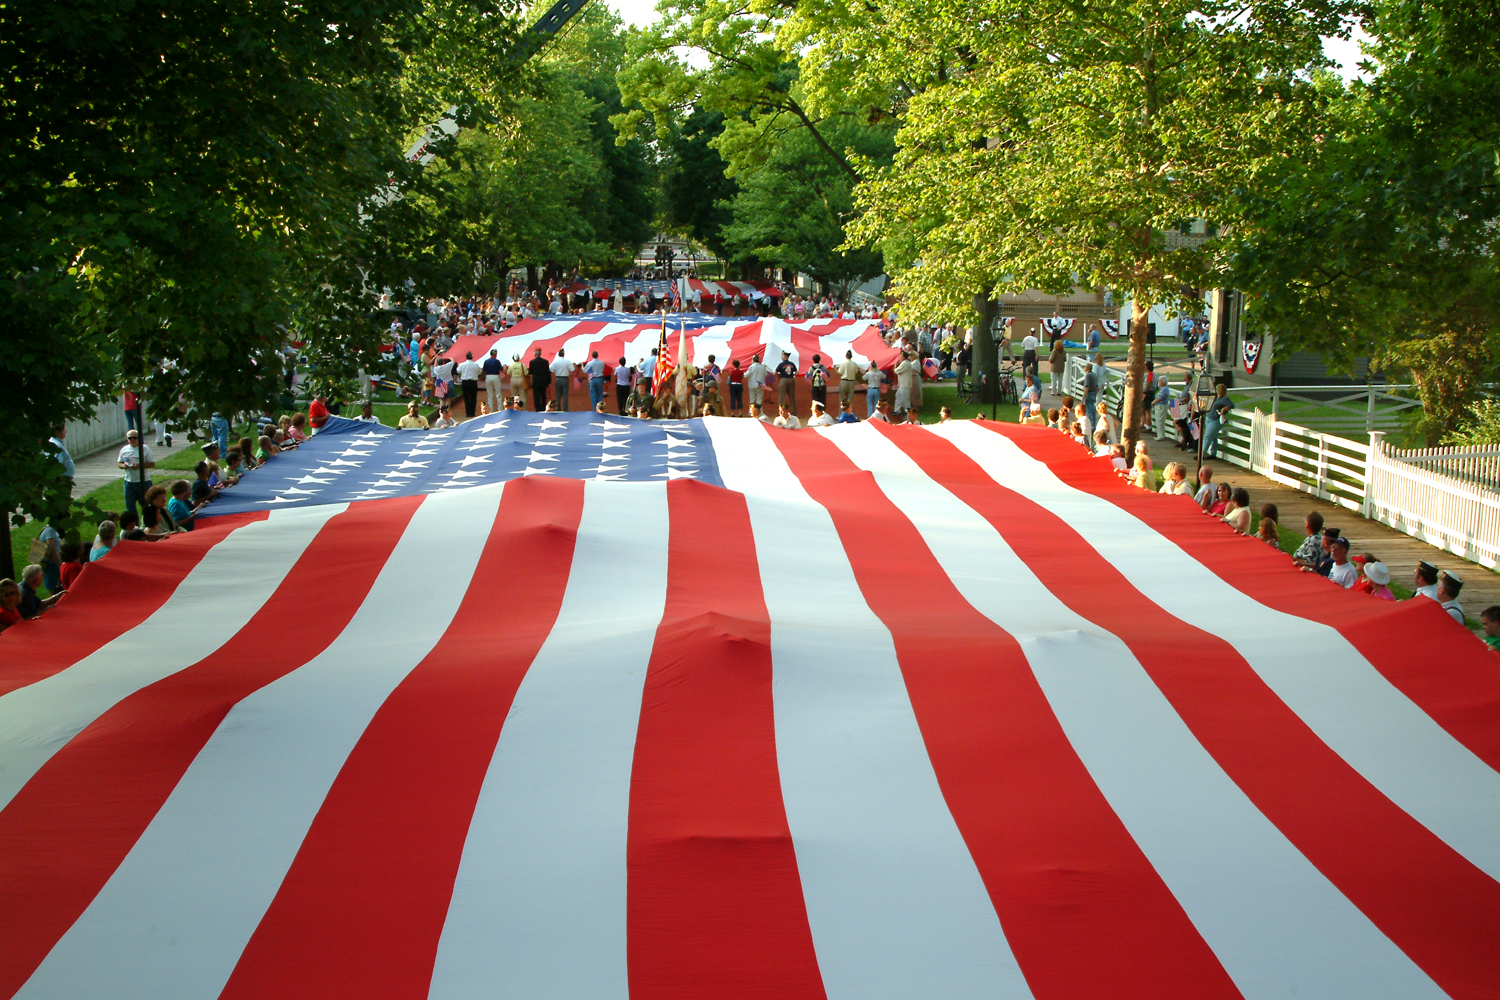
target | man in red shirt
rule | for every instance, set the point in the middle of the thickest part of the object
(317, 414)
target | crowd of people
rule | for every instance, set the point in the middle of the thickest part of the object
(643, 390)
(152, 511)
(1324, 550)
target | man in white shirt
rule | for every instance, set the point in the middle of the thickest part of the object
(468, 377)
(135, 458)
(757, 414)
(1204, 498)
(755, 380)
(367, 415)
(1344, 572)
(787, 419)
(1029, 345)
(820, 417)
(562, 374)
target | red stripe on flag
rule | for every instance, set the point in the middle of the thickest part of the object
(551, 345)
(873, 346)
(68, 829)
(132, 582)
(1431, 901)
(715, 900)
(1084, 911)
(744, 343)
(361, 909)
(806, 344)
(1463, 696)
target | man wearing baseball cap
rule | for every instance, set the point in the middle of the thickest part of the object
(1342, 571)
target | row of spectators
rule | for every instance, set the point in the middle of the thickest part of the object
(153, 511)
(1324, 550)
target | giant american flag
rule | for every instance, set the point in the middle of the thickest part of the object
(631, 336)
(864, 712)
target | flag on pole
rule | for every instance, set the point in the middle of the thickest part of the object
(554, 735)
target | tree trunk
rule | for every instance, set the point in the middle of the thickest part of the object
(986, 358)
(7, 558)
(1135, 376)
(531, 277)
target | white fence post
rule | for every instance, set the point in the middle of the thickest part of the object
(1377, 457)
(1370, 411)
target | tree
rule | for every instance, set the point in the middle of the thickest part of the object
(184, 181)
(792, 208)
(1382, 242)
(1061, 143)
(740, 94)
(696, 191)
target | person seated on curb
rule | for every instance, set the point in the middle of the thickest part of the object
(73, 561)
(1490, 619)
(1449, 586)
(1174, 476)
(1141, 474)
(1269, 518)
(202, 491)
(1205, 496)
(181, 507)
(820, 417)
(1341, 571)
(444, 419)
(10, 603)
(1102, 445)
(847, 415)
(882, 411)
(1325, 560)
(1378, 576)
(1220, 505)
(1237, 514)
(756, 414)
(105, 542)
(1425, 580)
(32, 604)
(787, 419)
(1310, 552)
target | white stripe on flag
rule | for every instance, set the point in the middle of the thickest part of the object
(1277, 924)
(1347, 702)
(896, 904)
(539, 904)
(174, 918)
(216, 599)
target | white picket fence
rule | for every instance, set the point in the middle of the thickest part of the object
(1474, 464)
(1459, 515)
(105, 430)
(1382, 483)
